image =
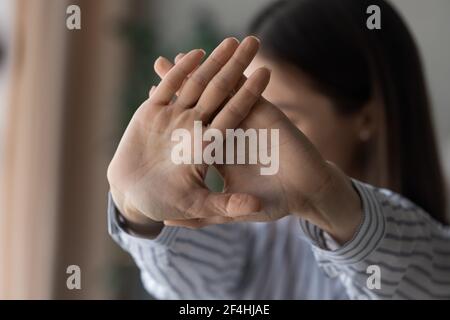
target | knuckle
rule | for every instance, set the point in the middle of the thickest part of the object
(187, 214)
(171, 84)
(201, 112)
(221, 82)
(181, 70)
(192, 208)
(199, 79)
(216, 62)
(235, 109)
(184, 207)
(239, 62)
(249, 92)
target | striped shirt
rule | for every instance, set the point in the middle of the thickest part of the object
(397, 242)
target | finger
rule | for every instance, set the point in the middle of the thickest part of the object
(238, 107)
(200, 79)
(178, 57)
(161, 66)
(253, 217)
(223, 83)
(175, 77)
(191, 224)
(204, 222)
(198, 223)
(240, 83)
(152, 89)
(205, 203)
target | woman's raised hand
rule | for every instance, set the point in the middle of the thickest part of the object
(305, 184)
(143, 178)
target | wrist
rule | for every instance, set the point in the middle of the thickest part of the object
(337, 207)
(132, 220)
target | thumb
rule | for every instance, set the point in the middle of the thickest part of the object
(224, 204)
(241, 204)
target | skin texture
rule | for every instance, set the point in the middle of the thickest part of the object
(306, 185)
(142, 177)
(334, 135)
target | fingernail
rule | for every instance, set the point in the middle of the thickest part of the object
(226, 42)
(199, 52)
(158, 61)
(194, 52)
(178, 57)
(256, 38)
(268, 69)
(248, 43)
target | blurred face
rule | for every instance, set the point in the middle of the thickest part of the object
(333, 134)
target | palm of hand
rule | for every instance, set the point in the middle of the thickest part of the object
(289, 189)
(148, 173)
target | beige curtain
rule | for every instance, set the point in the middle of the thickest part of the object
(59, 135)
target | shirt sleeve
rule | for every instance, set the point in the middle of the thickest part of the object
(398, 251)
(183, 263)
(238, 261)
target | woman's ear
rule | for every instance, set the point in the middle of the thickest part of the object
(367, 120)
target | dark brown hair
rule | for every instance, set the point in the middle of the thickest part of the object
(330, 42)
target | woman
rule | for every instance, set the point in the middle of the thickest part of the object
(359, 96)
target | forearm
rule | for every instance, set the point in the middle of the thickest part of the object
(336, 207)
(181, 263)
(407, 247)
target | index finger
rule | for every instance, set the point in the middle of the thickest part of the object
(175, 77)
(223, 83)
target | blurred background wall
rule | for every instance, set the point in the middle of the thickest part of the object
(65, 98)
(6, 27)
(428, 20)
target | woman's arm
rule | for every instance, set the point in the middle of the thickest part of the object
(181, 263)
(396, 241)
(305, 185)
(146, 183)
(238, 261)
